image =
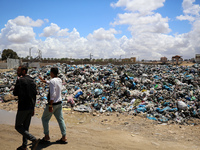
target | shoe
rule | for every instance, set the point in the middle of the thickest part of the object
(35, 144)
(43, 141)
(61, 141)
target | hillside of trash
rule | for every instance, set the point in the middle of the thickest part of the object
(164, 93)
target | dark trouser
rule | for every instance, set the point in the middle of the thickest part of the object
(22, 123)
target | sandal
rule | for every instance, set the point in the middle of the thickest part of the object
(43, 141)
(61, 141)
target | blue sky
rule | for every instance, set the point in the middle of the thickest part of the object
(105, 28)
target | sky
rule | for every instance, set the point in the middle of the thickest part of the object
(145, 29)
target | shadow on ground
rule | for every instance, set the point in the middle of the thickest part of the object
(45, 145)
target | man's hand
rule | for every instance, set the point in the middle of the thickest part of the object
(42, 80)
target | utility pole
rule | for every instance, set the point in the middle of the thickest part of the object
(30, 52)
(120, 58)
(39, 54)
(91, 56)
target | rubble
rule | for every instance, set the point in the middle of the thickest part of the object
(164, 93)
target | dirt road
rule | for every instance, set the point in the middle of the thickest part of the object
(110, 131)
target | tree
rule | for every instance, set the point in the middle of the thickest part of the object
(86, 59)
(9, 53)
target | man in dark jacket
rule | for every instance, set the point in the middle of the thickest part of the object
(25, 89)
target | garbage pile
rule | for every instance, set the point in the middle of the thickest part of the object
(165, 93)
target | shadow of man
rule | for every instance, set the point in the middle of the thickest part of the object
(45, 145)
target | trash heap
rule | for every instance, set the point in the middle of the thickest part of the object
(165, 93)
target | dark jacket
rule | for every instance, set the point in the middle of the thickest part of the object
(26, 91)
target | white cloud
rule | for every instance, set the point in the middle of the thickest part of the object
(186, 17)
(102, 34)
(50, 30)
(191, 13)
(141, 18)
(27, 21)
(46, 20)
(194, 36)
(63, 32)
(67, 46)
(19, 35)
(74, 35)
(139, 24)
(141, 6)
(14, 33)
(149, 30)
(54, 30)
(190, 10)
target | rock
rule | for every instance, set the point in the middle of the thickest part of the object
(154, 143)
(126, 123)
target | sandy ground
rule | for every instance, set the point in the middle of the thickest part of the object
(110, 131)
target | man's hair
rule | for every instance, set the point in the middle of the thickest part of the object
(54, 71)
(24, 68)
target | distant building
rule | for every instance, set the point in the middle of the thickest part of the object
(163, 59)
(133, 59)
(129, 60)
(197, 58)
(177, 59)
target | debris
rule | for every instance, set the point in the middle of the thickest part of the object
(163, 93)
